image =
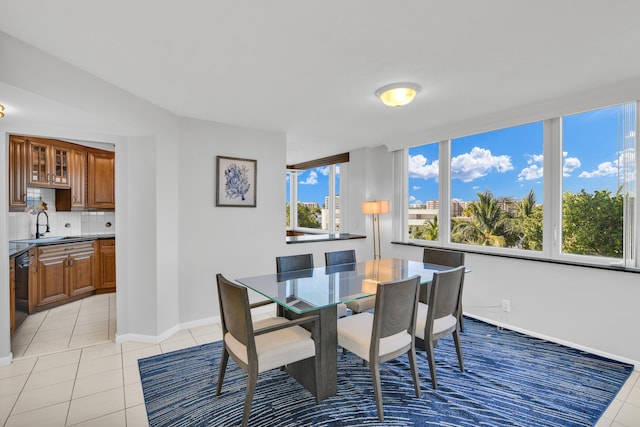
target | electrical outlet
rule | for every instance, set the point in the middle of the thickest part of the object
(506, 305)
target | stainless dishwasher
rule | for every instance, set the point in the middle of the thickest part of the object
(22, 288)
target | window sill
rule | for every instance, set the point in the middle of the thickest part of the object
(308, 238)
(524, 257)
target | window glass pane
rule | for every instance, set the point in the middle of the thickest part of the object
(289, 176)
(497, 188)
(313, 189)
(593, 184)
(337, 203)
(423, 192)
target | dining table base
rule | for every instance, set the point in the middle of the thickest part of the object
(303, 371)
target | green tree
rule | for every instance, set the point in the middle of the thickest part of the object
(485, 223)
(428, 231)
(527, 223)
(592, 223)
(308, 217)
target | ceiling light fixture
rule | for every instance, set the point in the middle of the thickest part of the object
(1, 111)
(398, 94)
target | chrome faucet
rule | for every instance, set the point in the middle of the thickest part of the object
(38, 234)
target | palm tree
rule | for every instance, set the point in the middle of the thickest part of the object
(486, 224)
(428, 231)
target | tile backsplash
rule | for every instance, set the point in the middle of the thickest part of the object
(22, 225)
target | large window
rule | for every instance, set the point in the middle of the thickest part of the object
(313, 195)
(598, 180)
(423, 192)
(563, 188)
(496, 180)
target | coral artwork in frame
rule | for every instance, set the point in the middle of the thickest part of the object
(235, 182)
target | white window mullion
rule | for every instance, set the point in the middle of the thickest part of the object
(444, 189)
(552, 204)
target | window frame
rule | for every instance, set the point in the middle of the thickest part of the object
(552, 204)
(333, 163)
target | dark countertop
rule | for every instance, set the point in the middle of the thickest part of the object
(18, 247)
(323, 237)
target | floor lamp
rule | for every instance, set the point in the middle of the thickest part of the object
(375, 208)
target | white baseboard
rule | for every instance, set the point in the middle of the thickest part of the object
(6, 361)
(499, 324)
(150, 339)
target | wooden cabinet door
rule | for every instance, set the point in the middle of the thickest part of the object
(78, 179)
(59, 166)
(52, 278)
(107, 269)
(81, 274)
(101, 179)
(17, 173)
(38, 174)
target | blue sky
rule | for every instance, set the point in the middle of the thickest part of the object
(509, 161)
(313, 185)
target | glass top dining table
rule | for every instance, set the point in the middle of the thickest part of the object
(303, 291)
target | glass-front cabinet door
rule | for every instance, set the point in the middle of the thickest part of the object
(48, 165)
(38, 164)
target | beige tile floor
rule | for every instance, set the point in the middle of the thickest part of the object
(85, 379)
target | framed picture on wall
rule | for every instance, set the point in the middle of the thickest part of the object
(236, 182)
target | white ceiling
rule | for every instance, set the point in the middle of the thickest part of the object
(310, 68)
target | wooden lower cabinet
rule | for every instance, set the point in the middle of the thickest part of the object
(106, 281)
(64, 272)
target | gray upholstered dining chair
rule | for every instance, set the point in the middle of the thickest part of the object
(440, 317)
(259, 346)
(387, 333)
(448, 258)
(291, 263)
(348, 257)
(285, 264)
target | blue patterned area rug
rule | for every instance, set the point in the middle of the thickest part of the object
(510, 380)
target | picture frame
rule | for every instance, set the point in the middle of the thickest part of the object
(236, 182)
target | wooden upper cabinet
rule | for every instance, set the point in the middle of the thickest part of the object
(17, 173)
(74, 198)
(48, 163)
(101, 179)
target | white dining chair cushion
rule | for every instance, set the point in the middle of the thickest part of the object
(440, 325)
(362, 304)
(342, 310)
(354, 334)
(276, 348)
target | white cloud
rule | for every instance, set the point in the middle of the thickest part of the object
(604, 169)
(414, 201)
(530, 173)
(535, 158)
(534, 171)
(324, 170)
(570, 164)
(312, 179)
(419, 167)
(478, 163)
(416, 187)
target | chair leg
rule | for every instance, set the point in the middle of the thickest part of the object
(223, 368)
(377, 390)
(432, 363)
(414, 370)
(456, 340)
(461, 320)
(252, 379)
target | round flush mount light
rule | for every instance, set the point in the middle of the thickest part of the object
(398, 94)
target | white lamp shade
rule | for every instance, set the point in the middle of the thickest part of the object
(375, 207)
